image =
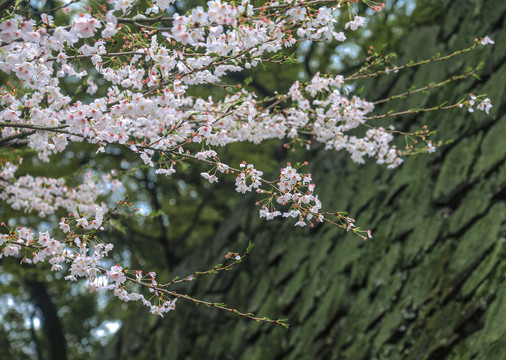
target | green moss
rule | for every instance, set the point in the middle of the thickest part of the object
(389, 325)
(485, 268)
(292, 259)
(493, 148)
(474, 204)
(455, 171)
(479, 239)
(422, 239)
(262, 288)
(295, 285)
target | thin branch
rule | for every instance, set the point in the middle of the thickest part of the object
(225, 308)
(410, 65)
(413, 111)
(5, 140)
(430, 86)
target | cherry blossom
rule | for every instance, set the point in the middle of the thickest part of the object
(145, 105)
(486, 40)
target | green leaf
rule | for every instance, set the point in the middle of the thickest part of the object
(250, 246)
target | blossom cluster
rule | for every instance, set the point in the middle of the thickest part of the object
(83, 257)
(139, 97)
(484, 105)
(147, 91)
(45, 195)
(297, 191)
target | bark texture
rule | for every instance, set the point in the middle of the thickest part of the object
(430, 285)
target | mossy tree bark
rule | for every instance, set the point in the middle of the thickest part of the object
(430, 283)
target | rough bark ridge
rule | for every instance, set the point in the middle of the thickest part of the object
(430, 285)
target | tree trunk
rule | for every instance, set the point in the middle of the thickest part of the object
(429, 285)
(51, 324)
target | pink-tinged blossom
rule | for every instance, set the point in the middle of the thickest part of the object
(166, 172)
(300, 223)
(85, 26)
(269, 215)
(430, 147)
(354, 24)
(3, 239)
(116, 274)
(11, 250)
(222, 167)
(82, 222)
(486, 40)
(485, 105)
(208, 177)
